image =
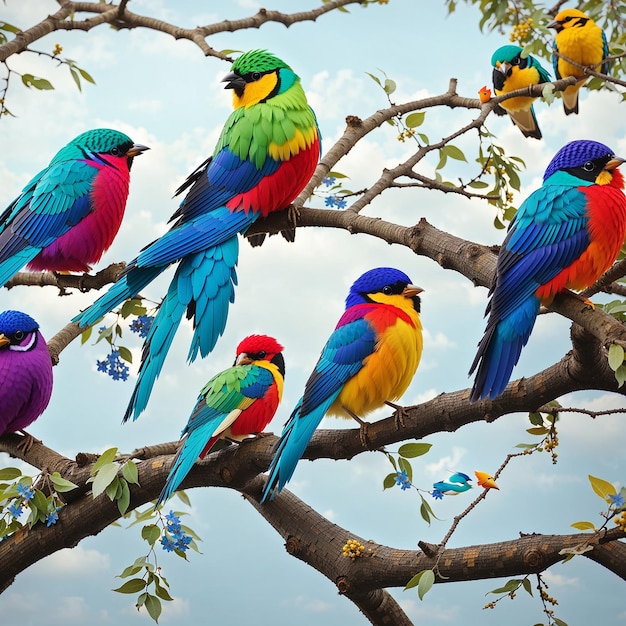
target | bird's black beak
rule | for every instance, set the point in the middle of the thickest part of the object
(558, 27)
(236, 82)
(136, 150)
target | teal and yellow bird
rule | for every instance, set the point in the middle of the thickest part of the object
(368, 361)
(582, 41)
(456, 484)
(70, 212)
(266, 154)
(565, 235)
(514, 70)
(238, 402)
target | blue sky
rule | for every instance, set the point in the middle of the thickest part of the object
(165, 94)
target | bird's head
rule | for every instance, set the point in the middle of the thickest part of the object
(384, 285)
(257, 76)
(18, 331)
(570, 18)
(504, 60)
(103, 142)
(260, 348)
(589, 161)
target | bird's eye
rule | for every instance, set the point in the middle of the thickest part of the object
(387, 290)
(262, 354)
(19, 335)
(516, 61)
(256, 76)
(589, 166)
(115, 151)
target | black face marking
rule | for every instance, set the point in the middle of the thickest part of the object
(279, 362)
(589, 170)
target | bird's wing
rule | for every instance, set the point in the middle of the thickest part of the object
(52, 202)
(548, 233)
(604, 68)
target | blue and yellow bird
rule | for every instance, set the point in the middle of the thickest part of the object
(512, 70)
(236, 403)
(266, 154)
(565, 235)
(368, 361)
(582, 41)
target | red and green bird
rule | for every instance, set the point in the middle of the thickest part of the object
(239, 402)
(266, 154)
(581, 40)
(68, 215)
(368, 361)
(565, 235)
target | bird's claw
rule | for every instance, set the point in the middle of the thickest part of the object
(27, 442)
(400, 414)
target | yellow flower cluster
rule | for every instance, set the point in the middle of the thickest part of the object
(522, 31)
(620, 520)
(353, 549)
(57, 49)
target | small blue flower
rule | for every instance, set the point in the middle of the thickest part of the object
(141, 325)
(329, 200)
(340, 203)
(103, 366)
(25, 492)
(617, 500)
(167, 543)
(437, 494)
(402, 480)
(51, 518)
(15, 509)
(329, 181)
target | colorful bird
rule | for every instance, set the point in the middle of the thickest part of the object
(239, 402)
(486, 480)
(369, 360)
(68, 215)
(456, 484)
(512, 71)
(267, 152)
(25, 373)
(581, 40)
(565, 235)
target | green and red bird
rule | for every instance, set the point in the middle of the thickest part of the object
(266, 154)
(368, 361)
(238, 402)
(68, 215)
(565, 235)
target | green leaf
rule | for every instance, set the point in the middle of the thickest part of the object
(132, 586)
(125, 354)
(390, 86)
(84, 336)
(61, 484)
(536, 419)
(76, 78)
(9, 27)
(426, 581)
(559, 622)
(34, 81)
(415, 580)
(478, 184)
(129, 472)
(602, 487)
(153, 606)
(390, 481)
(151, 533)
(131, 570)
(403, 464)
(105, 458)
(454, 153)
(583, 526)
(334, 174)
(527, 586)
(9, 473)
(374, 78)
(510, 585)
(415, 119)
(616, 356)
(412, 450)
(162, 592)
(183, 497)
(86, 75)
(105, 476)
(123, 501)
(540, 430)
(113, 489)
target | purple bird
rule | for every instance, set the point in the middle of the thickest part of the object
(25, 373)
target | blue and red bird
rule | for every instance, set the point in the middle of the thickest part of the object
(266, 154)
(239, 402)
(68, 215)
(368, 361)
(25, 373)
(565, 235)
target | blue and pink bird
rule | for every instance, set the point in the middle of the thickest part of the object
(267, 152)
